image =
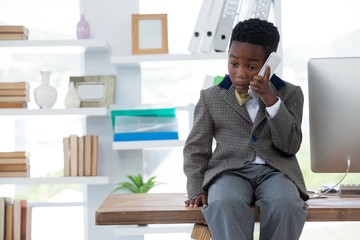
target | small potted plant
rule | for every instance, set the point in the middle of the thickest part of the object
(137, 184)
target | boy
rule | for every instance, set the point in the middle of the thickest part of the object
(254, 161)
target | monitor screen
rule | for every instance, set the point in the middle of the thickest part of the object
(334, 108)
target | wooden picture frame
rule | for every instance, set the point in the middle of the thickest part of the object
(149, 34)
(95, 91)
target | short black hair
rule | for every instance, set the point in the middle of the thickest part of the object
(256, 31)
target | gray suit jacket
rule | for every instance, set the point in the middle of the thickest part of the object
(219, 116)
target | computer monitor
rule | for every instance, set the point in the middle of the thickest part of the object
(334, 108)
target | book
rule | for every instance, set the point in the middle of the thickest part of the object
(81, 145)
(73, 155)
(28, 223)
(212, 25)
(226, 24)
(87, 155)
(5, 161)
(13, 36)
(13, 104)
(199, 29)
(19, 206)
(14, 99)
(150, 112)
(3, 202)
(208, 81)
(15, 174)
(94, 154)
(2, 218)
(15, 154)
(15, 85)
(14, 92)
(14, 29)
(144, 136)
(14, 167)
(125, 124)
(66, 148)
(9, 221)
(24, 220)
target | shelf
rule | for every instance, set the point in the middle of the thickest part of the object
(147, 144)
(91, 45)
(54, 112)
(57, 180)
(56, 204)
(137, 59)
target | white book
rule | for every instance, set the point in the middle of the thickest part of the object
(261, 9)
(226, 24)
(208, 81)
(199, 29)
(2, 217)
(74, 155)
(211, 26)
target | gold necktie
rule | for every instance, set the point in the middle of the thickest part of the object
(242, 98)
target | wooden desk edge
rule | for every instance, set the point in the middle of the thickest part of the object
(112, 216)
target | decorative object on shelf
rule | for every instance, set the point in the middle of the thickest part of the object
(83, 28)
(149, 34)
(45, 95)
(72, 99)
(137, 184)
(95, 91)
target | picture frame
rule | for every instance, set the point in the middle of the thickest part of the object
(95, 91)
(149, 34)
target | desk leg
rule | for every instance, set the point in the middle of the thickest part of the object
(200, 232)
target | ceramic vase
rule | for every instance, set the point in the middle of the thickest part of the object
(72, 99)
(83, 28)
(45, 95)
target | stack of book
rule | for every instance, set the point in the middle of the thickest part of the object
(15, 219)
(14, 94)
(80, 155)
(145, 124)
(14, 164)
(9, 32)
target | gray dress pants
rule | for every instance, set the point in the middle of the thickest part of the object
(229, 216)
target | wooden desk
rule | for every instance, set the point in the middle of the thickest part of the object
(169, 208)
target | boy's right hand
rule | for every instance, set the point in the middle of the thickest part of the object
(197, 201)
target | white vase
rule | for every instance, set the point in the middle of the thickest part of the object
(45, 95)
(72, 99)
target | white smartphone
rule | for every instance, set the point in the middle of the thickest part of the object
(273, 62)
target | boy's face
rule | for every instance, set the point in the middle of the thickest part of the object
(244, 62)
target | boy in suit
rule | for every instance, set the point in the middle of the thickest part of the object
(254, 160)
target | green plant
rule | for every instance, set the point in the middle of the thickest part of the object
(137, 184)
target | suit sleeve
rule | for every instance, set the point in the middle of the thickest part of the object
(285, 126)
(198, 148)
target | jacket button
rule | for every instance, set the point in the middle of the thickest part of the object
(254, 138)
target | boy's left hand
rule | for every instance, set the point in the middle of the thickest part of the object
(262, 86)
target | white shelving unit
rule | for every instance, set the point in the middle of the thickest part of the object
(92, 46)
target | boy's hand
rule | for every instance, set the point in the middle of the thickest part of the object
(197, 201)
(262, 86)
